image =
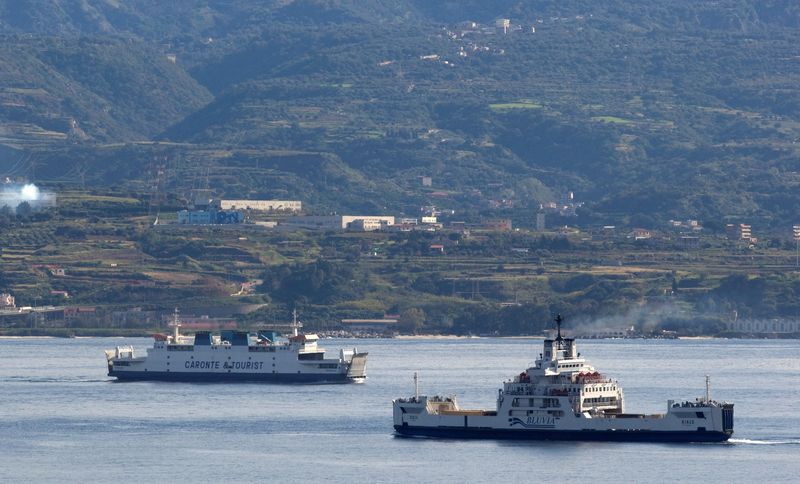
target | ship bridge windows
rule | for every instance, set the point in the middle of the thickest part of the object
(550, 402)
(261, 349)
(180, 347)
(311, 356)
(535, 402)
(591, 402)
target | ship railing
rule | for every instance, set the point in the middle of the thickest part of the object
(591, 379)
(518, 389)
(611, 414)
(699, 403)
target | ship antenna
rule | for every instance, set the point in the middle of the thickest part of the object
(416, 387)
(708, 389)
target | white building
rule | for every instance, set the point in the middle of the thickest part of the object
(366, 222)
(765, 326)
(262, 205)
(366, 225)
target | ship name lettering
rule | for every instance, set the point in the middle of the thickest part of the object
(227, 365)
(203, 365)
(541, 421)
(243, 365)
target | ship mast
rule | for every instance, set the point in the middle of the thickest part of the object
(708, 389)
(295, 323)
(175, 324)
(559, 338)
(416, 387)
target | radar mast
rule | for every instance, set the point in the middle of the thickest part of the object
(295, 323)
(175, 324)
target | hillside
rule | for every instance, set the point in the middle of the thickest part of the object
(648, 112)
(90, 89)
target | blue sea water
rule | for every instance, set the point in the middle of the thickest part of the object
(63, 419)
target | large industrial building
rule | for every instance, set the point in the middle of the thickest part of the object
(262, 205)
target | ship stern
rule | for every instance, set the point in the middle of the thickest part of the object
(357, 369)
(727, 420)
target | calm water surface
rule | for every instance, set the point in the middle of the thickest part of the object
(62, 418)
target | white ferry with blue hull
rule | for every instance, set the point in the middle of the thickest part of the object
(563, 397)
(236, 356)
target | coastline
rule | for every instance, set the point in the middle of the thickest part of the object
(432, 336)
(108, 333)
(455, 336)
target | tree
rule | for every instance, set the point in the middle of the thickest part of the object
(24, 210)
(411, 320)
(5, 216)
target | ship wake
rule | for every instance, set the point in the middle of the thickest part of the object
(27, 379)
(764, 442)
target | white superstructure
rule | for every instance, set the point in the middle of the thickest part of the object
(563, 397)
(236, 356)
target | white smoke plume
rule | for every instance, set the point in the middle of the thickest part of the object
(643, 319)
(13, 194)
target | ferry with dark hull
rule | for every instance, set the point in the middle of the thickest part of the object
(563, 397)
(237, 356)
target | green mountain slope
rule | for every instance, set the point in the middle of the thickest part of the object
(648, 111)
(91, 89)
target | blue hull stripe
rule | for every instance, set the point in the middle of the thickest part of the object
(231, 377)
(584, 435)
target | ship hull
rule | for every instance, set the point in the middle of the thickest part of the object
(573, 435)
(211, 377)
